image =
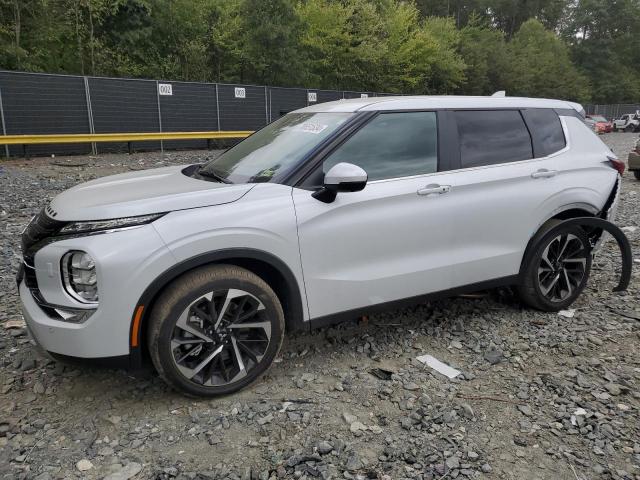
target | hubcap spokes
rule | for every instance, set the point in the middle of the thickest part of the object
(562, 267)
(220, 337)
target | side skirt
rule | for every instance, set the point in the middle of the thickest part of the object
(407, 302)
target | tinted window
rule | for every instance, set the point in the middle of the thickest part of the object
(392, 145)
(546, 130)
(492, 136)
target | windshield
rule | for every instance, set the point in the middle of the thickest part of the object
(598, 119)
(274, 149)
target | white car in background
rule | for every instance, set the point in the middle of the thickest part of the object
(629, 122)
(331, 212)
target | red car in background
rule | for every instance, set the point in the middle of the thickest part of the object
(602, 124)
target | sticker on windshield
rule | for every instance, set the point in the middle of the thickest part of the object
(313, 127)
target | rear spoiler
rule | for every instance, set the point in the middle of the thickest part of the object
(578, 108)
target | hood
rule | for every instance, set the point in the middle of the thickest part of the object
(142, 192)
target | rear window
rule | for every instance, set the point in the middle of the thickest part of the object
(546, 130)
(488, 137)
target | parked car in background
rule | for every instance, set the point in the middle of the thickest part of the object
(634, 160)
(331, 212)
(629, 122)
(591, 123)
(602, 124)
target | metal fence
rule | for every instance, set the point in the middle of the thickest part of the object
(35, 103)
(611, 112)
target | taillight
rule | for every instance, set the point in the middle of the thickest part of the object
(617, 164)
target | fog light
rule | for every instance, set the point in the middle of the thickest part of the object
(79, 276)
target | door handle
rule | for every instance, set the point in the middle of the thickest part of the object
(434, 188)
(544, 173)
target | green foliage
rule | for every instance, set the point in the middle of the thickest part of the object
(576, 49)
(484, 53)
(539, 65)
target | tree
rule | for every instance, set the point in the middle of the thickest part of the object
(272, 31)
(539, 66)
(483, 50)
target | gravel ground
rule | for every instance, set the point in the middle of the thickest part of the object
(541, 396)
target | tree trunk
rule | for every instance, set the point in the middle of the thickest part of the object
(91, 39)
(79, 37)
(16, 17)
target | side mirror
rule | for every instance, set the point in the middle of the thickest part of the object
(342, 177)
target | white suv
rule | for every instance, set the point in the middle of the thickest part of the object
(330, 212)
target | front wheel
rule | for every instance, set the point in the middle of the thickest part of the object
(636, 173)
(558, 269)
(629, 128)
(215, 330)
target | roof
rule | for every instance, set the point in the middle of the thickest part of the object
(436, 102)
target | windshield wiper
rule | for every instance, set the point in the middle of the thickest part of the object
(206, 173)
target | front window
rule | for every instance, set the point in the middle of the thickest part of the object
(275, 149)
(392, 145)
(599, 119)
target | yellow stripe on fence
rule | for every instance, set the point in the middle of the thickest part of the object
(118, 137)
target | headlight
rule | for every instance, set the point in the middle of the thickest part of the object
(112, 224)
(79, 276)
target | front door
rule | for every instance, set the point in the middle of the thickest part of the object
(389, 241)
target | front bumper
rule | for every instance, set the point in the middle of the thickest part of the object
(126, 263)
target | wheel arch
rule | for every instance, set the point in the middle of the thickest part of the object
(566, 212)
(267, 266)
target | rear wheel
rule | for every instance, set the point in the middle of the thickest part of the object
(636, 173)
(215, 330)
(558, 269)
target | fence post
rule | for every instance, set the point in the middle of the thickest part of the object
(270, 108)
(92, 130)
(218, 106)
(266, 107)
(159, 114)
(4, 124)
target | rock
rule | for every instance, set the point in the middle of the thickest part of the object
(452, 462)
(266, 419)
(130, 470)
(613, 388)
(84, 465)
(348, 418)
(493, 356)
(411, 386)
(467, 411)
(525, 410)
(324, 447)
(486, 468)
(353, 463)
(356, 427)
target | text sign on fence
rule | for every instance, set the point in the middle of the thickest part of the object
(312, 97)
(364, 95)
(240, 92)
(165, 89)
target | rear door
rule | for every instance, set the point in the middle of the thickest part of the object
(389, 241)
(501, 190)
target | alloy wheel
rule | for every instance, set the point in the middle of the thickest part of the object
(562, 267)
(220, 337)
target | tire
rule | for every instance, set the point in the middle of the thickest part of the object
(543, 280)
(629, 129)
(235, 322)
(636, 173)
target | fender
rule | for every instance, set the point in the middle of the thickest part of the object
(142, 306)
(616, 233)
